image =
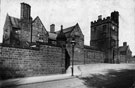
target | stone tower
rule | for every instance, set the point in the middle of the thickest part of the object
(25, 24)
(105, 35)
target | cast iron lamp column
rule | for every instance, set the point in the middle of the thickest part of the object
(73, 44)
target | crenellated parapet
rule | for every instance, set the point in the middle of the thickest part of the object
(113, 19)
(100, 21)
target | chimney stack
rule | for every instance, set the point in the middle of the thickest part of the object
(124, 43)
(25, 11)
(61, 27)
(52, 28)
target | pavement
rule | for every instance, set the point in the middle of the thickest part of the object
(30, 80)
(65, 80)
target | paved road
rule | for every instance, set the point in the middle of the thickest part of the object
(122, 78)
(114, 79)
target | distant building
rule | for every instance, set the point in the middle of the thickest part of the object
(105, 35)
(125, 52)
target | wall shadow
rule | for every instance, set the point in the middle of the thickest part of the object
(8, 73)
(114, 79)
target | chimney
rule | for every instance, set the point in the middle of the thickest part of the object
(25, 11)
(100, 17)
(61, 27)
(124, 43)
(52, 28)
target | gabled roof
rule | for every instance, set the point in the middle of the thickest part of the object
(37, 18)
(14, 21)
(67, 30)
(124, 48)
(43, 29)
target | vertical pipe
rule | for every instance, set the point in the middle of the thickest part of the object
(73, 60)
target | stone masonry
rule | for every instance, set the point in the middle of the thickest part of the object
(16, 62)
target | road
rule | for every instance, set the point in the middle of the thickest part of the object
(112, 78)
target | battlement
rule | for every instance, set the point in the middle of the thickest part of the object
(113, 18)
(101, 20)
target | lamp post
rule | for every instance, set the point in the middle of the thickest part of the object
(73, 44)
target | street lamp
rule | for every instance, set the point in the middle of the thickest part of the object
(73, 44)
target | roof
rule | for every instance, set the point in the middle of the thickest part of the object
(61, 36)
(52, 36)
(67, 30)
(14, 21)
(123, 48)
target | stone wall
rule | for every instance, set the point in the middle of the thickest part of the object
(125, 59)
(93, 56)
(16, 62)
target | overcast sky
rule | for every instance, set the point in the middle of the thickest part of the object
(70, 12)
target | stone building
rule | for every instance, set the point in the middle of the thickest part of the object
(30, 50)
(28, 33)
(75, 33)
(68, 34)
(25, 31)
(105, 35)
(125, 53)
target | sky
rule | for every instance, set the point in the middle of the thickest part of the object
(70, 12)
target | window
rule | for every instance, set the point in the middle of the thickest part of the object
(114, 28)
